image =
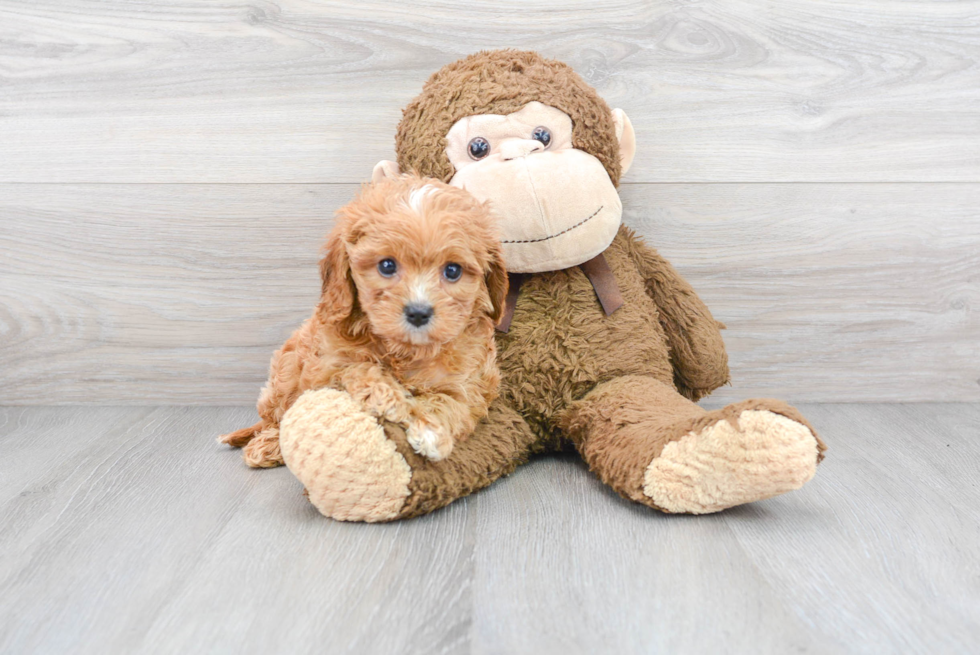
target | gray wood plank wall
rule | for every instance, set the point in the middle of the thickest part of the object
(168, 169)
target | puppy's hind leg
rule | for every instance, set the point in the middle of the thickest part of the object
(239, 438)
(263, 450)
(261, 444)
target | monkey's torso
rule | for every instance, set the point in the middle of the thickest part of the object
(561, 343)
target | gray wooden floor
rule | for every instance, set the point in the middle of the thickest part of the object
(129, 530)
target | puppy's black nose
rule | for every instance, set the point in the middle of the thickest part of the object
(418, 315)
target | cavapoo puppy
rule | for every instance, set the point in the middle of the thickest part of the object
(413, 285)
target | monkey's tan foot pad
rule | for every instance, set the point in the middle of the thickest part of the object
(762, 455)
(350, 469)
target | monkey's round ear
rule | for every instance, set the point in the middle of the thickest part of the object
(384, 169)
(626, 137)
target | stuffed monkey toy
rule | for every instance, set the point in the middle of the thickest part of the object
(603, 346)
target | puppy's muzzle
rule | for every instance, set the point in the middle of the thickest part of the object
(418, 314)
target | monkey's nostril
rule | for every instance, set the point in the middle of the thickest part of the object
(418, 315)
(517, 148)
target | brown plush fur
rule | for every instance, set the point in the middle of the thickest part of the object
(617, 387)
(624, 424)
(501, 443)
(561, 344)
(560, 347)
(438, 378)
(501, 82)
(644, 363)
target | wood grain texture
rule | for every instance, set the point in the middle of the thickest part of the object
(879, 553)
(297, 91)
(576, 569)
(128, 294)
(130, 530)
(154, 538)
(895, 480)
(831, 292)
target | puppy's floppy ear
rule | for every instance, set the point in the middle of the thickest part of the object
(496, 280)
(339, 294)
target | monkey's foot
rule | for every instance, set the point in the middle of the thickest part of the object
(351, 470)
(759, 455)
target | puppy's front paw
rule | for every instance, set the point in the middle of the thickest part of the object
(384, 401)
(429, 440)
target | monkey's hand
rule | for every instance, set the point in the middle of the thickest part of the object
(697, 351)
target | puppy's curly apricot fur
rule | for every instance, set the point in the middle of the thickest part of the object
(413, 284)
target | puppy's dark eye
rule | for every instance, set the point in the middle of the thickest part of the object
(479, 148)
(542, 134)
(387, 267)
(452, 272)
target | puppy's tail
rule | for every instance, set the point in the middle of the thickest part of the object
(239, 438)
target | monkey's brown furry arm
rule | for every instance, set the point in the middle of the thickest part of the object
(697, 351)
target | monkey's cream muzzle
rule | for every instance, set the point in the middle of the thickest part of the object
(555, 205)
(544, 227)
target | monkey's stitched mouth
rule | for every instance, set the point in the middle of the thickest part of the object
(567, 229)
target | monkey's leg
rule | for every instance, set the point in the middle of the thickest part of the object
(356, 470)
(652, 445)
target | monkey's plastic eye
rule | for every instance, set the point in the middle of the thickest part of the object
(387, 267)
(453, 272)
(542, 134)
(479, 148)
